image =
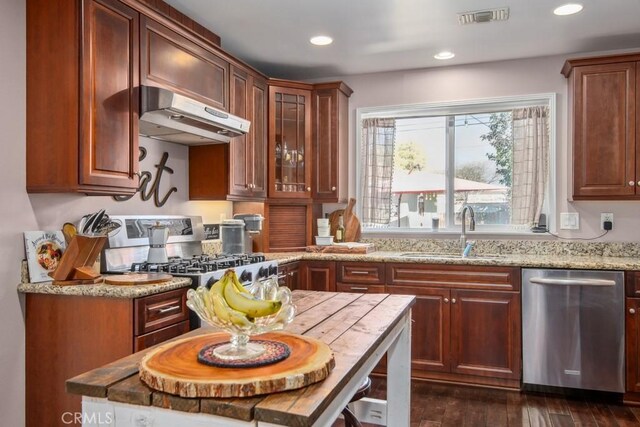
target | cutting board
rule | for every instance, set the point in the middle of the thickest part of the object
(352, 229)
(343, 248)
(174, 368)
(137, 279)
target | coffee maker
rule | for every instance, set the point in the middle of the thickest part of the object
(158, 236)
(237, 233)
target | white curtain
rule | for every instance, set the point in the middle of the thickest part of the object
(530, 164)
(378, 138)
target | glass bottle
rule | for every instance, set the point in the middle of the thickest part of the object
(340, 230)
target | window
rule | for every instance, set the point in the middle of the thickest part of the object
(420, 164)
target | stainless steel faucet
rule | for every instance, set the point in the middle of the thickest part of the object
(472, 225)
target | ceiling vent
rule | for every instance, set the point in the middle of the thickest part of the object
(488, 15)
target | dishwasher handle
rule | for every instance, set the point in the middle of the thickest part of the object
(572, 282)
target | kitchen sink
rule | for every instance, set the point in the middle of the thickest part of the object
(424, 255)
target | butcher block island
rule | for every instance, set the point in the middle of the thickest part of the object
(358, 328)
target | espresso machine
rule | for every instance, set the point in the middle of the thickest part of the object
(237, 233)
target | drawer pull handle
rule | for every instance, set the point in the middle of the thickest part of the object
(359, 272)
(357, 288)
(168, 309)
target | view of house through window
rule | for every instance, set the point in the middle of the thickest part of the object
(427, 167)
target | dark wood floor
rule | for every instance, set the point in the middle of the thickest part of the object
(438, 405)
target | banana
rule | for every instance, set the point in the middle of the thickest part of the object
(245, 303)
(233, 278)
(228, 314)
(218, 287)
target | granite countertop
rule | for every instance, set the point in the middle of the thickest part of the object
(587, 262)
(102, 290)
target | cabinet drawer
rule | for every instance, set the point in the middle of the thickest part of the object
(158, 311)
(359, 272)
(454, 276)
(161, 335)
(367, 289)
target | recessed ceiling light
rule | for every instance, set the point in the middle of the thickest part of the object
(567, 9)
(445, 54)
(321, 40)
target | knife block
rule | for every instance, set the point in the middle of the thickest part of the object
(76, 264)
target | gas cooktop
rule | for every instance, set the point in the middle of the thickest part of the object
(200, 263)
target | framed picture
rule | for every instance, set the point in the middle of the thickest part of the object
(44, 250)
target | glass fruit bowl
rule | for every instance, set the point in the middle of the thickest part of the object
(242, 312)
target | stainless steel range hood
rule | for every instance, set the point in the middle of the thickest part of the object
(172, 117)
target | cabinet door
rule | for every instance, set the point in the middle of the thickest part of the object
(604, 131)
(287, 228)
(258, 136)
(319, 276)
(430, 336)
(325, 145)
(632, 342)
(172, 61)
(485, 333)
(240, 173)
(289, 142)
(109, 100)
(293, 276)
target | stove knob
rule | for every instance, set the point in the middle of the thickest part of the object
(263, 272)
(273, 270)
(211, 282)
(246, 276)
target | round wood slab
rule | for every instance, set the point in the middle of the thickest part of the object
(174, 368)
(137, 279)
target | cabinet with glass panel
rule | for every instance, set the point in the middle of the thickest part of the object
(289, 140)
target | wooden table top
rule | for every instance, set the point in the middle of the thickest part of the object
(351, 324)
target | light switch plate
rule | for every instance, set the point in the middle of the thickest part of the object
(569, 221)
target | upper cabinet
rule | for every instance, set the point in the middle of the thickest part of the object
(289, 140)
(171, 61)
(605, 126)
(330, 108)
(82, 97)
(238, 170)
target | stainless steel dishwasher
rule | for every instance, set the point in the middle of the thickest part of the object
(573, 329)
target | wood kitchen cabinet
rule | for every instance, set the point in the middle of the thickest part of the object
(82, 97)
(290, 156)
(171, 61)
(605, 118)
(318, 276)
(67, 335)
(238, 170)
(632, 337)
(330, 109)
(289, 275)
(366, 277)
(287, 227)
(467, 325)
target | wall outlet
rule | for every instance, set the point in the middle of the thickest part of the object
(569, 221)
(606, 217)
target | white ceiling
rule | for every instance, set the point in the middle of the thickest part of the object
(383, 35)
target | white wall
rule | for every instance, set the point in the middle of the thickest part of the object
(488, 80)
(21, 211)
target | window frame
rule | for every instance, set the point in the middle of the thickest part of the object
(458, 107)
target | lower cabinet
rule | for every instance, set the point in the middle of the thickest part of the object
(67, 335)
(318, 276)
(632, 328)
(466, 322)
(289, 275)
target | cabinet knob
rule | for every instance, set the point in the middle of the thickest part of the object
(308, 188)
(632, 311)
(453, 300)
(632, 183)
(251, 186)
(446, 300)
(291, 274)
(638, 183)
(334, 188)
